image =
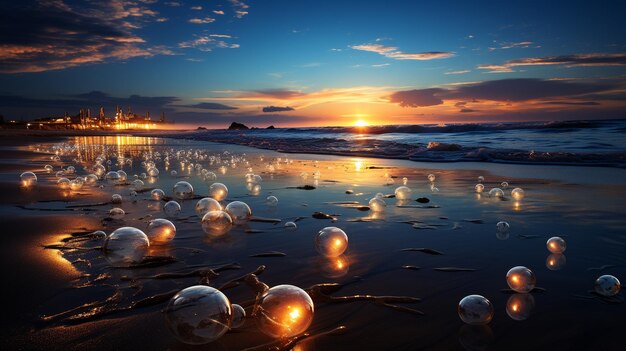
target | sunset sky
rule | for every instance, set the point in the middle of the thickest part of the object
(294, 63)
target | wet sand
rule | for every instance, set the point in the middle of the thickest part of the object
(584, 205)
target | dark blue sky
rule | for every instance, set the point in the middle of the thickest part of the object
(331, 62)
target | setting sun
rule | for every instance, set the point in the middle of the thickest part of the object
(361, 123)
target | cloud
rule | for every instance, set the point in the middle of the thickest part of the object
(506, 90)
(218, 12)
(458, 72)
(521, 44)
(204, 20)
(394, 53)
(211, 106)
(51, 35)
(574, 103)
(466, 110)
(277, 108)
(196, 8)
(240, 8)
(208, 43)
(417, 97)
(574, 60)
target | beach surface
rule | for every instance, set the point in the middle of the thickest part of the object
(56, 295)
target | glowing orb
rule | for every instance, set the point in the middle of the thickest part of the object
(402, 193)
(183, 190)
(285, 311)
(331, 241)
(28, 179)
(517, 193)
(216, 222)
(218, 191)
(556, 245)
(377, 204)
(161, 231)
(171, 209)
(205, 205)
(125, 246)
(607, 285)
(521, 279)
(475, 310)
(239, 211)
(157, 194)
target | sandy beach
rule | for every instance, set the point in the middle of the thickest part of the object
(49, 285)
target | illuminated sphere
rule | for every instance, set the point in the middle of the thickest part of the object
(183, 190)
(291, 225)
(285, 311)
(91, 179)
(520, 306)
(125, 246)
(331, 241)
(239, 211)
(431, 177)
(70, 170)
(377, 204)
(271, 201)
(99, 170)
(48, 168)
(556, 245)
(517, 193)
(161, 231)
(137, 184)
(405, 181)
(116, 213)
(153, 172)
(380, 195)
(28, 179)
(63, 183)
(239, 316)
(216, 222)
(481, 179)
(171, 209)
(157, 194)
(479, 188)
(502, 227)
(116, 199)
(218, 191)
(205, 205)
(403, 193)
(521, 279)
(112, 177)
(504, 185)
(77, 184)
(174, 173)
(198, 315)
(475, 310)
(123, 175)
(210, 176)
(554, 262)
(496, 192)
(607, 285)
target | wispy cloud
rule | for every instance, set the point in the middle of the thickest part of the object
(458, 72)
(574, 60)
(204, 20)
(521, 44)
(218, 12)
(207, 43)
(394, 53)
(267, 109)
(196, 8)
(240, 8)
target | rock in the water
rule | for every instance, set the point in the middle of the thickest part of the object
(238, 126)
(423, 200)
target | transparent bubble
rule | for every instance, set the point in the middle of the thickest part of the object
(431, 177)
(504, 185)
(137, 184)
(239, 316)
(554, 262)
(28, 179)
(521, 279)
(556, 245)
(183, 190)
(205, 205)
(216, 222)
(405, 181)
(210, 176)
(112, 177)
(117, 213)
(285, 311)
(331, 241)
(153, 172)
(255, 189)
(70, 170)
(475, 310)
(63, 183)
(479, 188)
(198, 315)
(99, 170)
(116, 199)
(173, 173)
(481, 179)
(125, 246)
(171, 209)
(123, 175)
(502, 227)
(291, 225)
(48, 168)
(161, 231)
(433, 188)
(380, 195)
(271, 201)
(520, 306)
(77, 184)
(389, 181)
(91, 179)
(517, 193)
(99, 234)
(218, 191)
(496, 193)
(403, 193)
(607, 285)
(239, 211)
(157, 194)
(377, 204)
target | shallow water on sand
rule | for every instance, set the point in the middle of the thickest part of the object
(462, 226)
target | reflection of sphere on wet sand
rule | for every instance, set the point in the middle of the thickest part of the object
(475, 337)
(334, 267)
(520, 306)
(554, 262)
(198, 315)
(125, 246)
(286, 311)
